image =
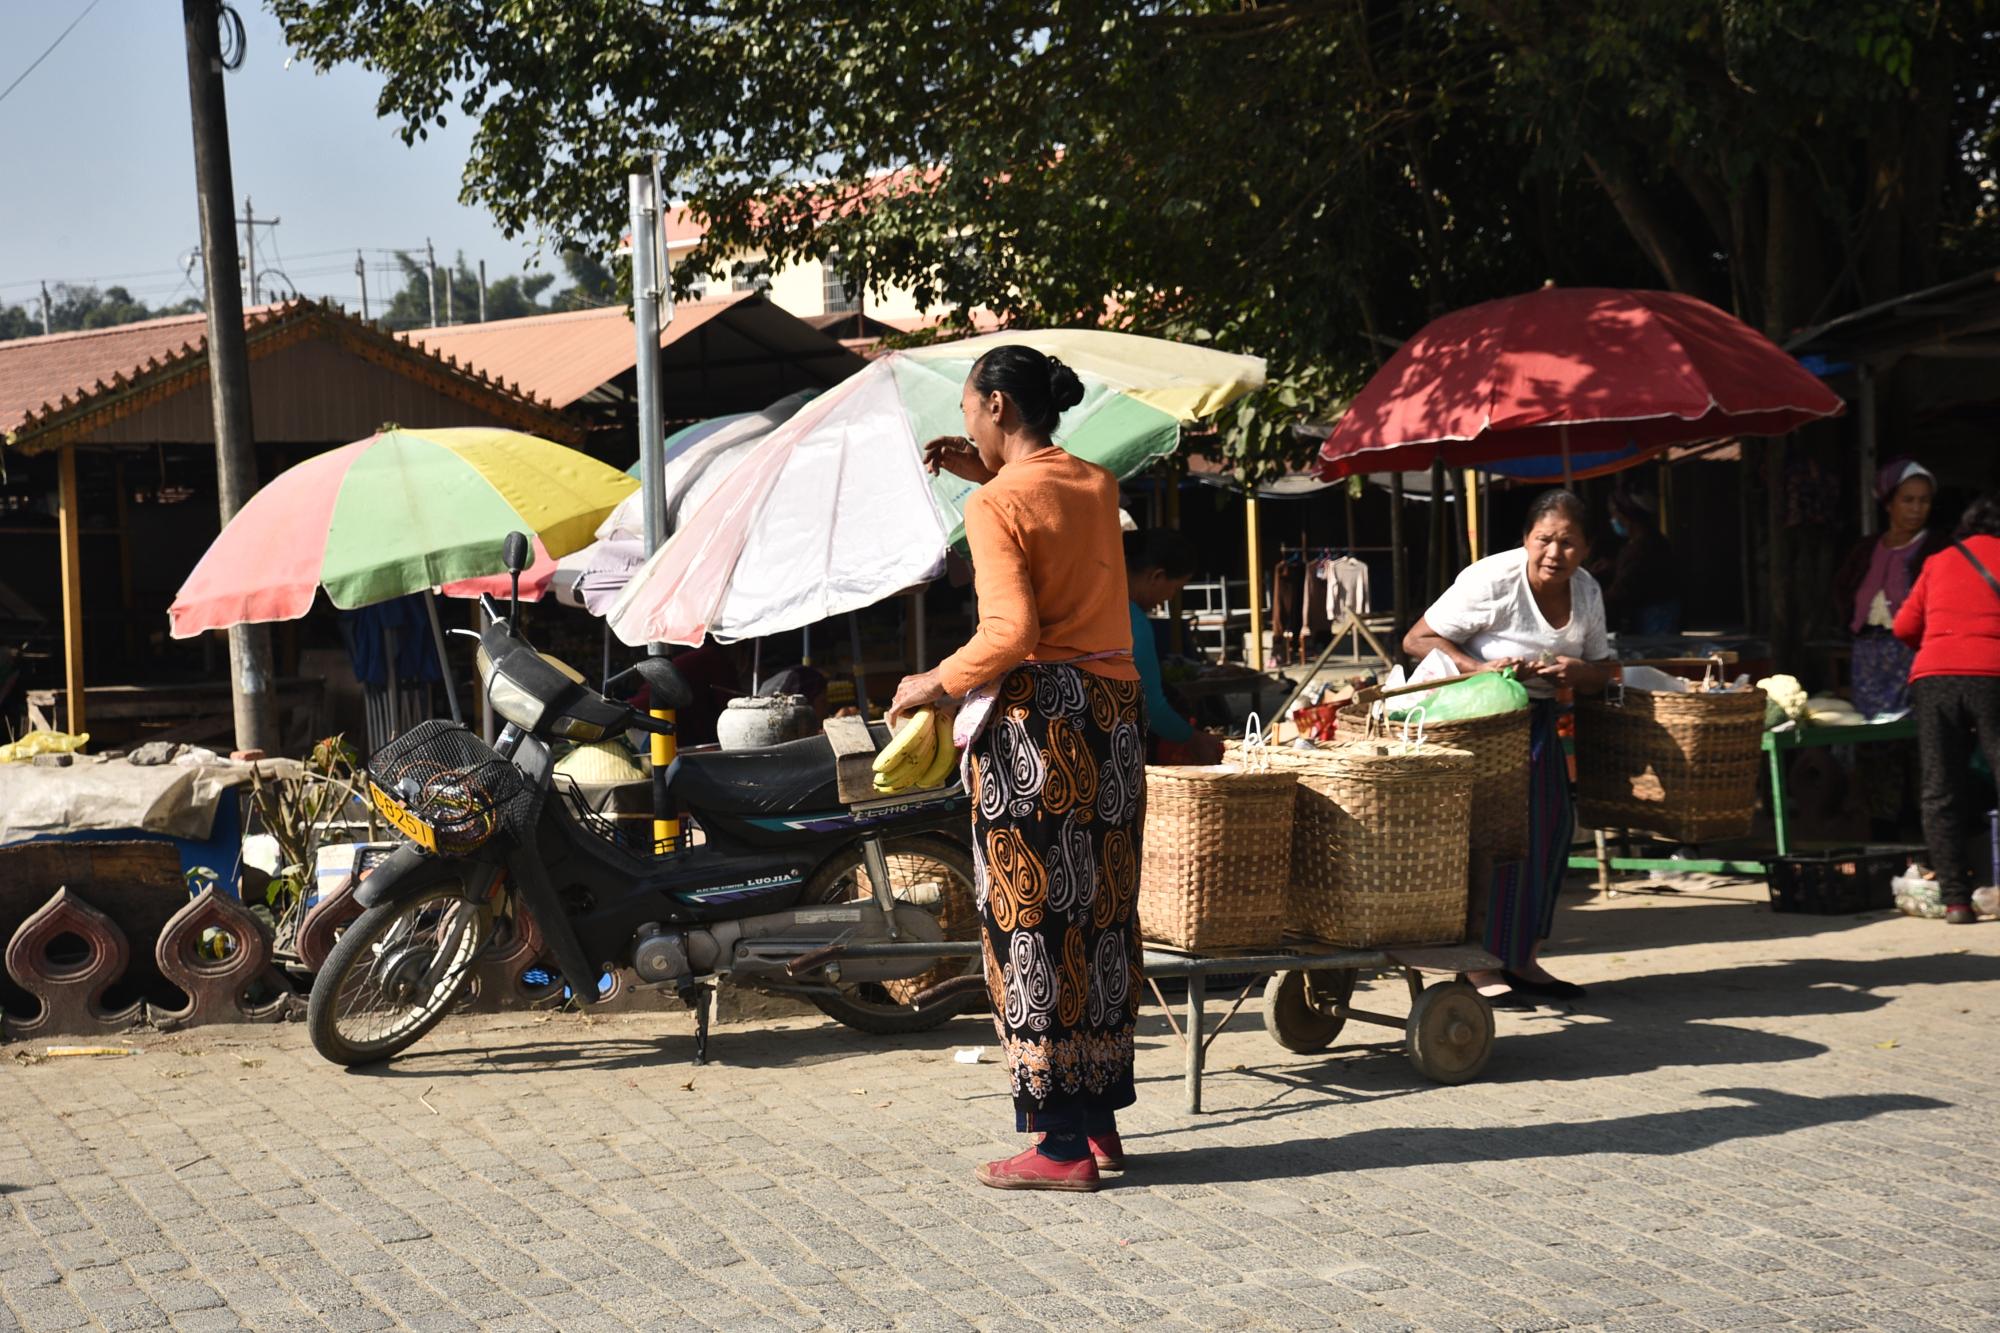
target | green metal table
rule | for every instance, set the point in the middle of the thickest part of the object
(1777, 745)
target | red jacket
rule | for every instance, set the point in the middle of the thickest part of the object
(1952, 615)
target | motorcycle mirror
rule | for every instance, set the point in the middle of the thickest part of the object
(516, 553)
(669, 687)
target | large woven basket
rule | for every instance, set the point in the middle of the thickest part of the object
(1499, 749)
(1380, 842)
(1683, 766)
(1217, 854)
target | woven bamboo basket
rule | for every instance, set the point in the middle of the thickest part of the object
(1499, 749)
(1380, 843)
(1683, 766)
(1216, 856)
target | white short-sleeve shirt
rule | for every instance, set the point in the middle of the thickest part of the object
(1490, 611)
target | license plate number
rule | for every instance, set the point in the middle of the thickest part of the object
(404, 822)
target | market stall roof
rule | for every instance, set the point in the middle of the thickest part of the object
(1960, 318)
(720, 350)
(148, 383)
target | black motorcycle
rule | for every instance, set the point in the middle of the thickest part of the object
(778, 881)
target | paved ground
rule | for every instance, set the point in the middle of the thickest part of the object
(1754, 1120)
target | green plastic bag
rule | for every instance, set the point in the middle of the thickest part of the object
(1484, 695)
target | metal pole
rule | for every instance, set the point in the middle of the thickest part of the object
(228, 358)
(450, 281)
(431, 279)
(1865, 421)
(1399, 558)
(45, 310)
(361, 275)
(652, 444)
(444, 659)
(482, 291)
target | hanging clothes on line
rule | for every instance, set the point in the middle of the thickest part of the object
(1347, 587)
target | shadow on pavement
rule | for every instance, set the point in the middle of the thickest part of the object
(1758, 1113)
(1694, 917)
(1798, 987)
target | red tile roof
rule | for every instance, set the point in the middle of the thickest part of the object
(61, 386)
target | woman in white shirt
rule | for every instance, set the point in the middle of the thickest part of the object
(1537, 611)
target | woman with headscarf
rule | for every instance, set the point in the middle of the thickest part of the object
(1877, 575)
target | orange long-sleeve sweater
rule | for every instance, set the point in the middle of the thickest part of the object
(1048, 565)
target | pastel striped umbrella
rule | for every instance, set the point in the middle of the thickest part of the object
(832, 511)
(400, 512)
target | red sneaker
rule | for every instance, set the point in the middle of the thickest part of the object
(1109, 1152)
(1032, 1171)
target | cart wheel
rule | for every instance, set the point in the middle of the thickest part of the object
(1450, 1033)
(1298, 1008)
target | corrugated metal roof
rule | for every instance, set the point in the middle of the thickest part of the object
(564, 357)
(51, 386)
(561, 357)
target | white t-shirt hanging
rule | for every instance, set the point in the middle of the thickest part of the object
(1490, 612)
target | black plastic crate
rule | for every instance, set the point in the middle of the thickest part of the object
(1835, 883)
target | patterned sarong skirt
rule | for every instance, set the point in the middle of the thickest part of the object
(1059, 785)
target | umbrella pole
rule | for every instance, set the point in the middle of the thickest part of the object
(444, 660)
(860, 675)
(1256, 580)
(756, 665)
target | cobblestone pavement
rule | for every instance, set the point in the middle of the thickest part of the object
(1752, 1121)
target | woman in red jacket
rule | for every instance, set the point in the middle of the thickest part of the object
(1952, 619)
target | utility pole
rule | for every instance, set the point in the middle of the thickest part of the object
(45, 308)
(361, 276)
(431, 273)
(250, 681)
(482, 291)
(450, 281)
(250, 225)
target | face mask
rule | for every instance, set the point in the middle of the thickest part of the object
(1618, 525)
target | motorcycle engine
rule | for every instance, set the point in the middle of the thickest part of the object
(660, 958)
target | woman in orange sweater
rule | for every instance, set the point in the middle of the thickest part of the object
(1058, 773)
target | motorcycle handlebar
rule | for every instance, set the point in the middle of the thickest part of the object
(659, 726)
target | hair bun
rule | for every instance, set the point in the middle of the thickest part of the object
(1065, 388)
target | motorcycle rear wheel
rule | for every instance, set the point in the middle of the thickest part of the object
(882, 1008)
(394, 974)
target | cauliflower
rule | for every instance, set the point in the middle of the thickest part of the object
(1784, 699)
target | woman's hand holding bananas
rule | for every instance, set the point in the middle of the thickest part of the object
(919, 756)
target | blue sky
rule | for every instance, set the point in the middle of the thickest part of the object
(97, 161)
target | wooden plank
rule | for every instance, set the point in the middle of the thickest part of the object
(67, 527)
(853, 758)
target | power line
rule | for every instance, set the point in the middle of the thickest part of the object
(52, 48)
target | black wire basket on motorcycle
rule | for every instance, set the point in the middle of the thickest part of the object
(445, 789)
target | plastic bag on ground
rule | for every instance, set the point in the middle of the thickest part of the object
(42, 742)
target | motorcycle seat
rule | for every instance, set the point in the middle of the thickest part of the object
(788, 778)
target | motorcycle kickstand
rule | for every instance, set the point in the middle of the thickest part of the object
(701, 1025)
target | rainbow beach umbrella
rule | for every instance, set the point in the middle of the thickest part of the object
(400, 512)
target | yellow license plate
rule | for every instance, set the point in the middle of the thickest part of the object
(393, 810)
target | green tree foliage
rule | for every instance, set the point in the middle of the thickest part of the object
(1308, 179)
(73, 307)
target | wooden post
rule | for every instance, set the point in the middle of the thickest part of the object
(1256, 580)
(1177, 637)
(68, 517)
(1468, 494)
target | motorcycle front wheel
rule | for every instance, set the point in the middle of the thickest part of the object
(931, 872)
(394, 973)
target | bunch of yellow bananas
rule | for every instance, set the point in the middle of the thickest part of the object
(918, 757)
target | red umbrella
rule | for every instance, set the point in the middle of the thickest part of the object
(1585, 370)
